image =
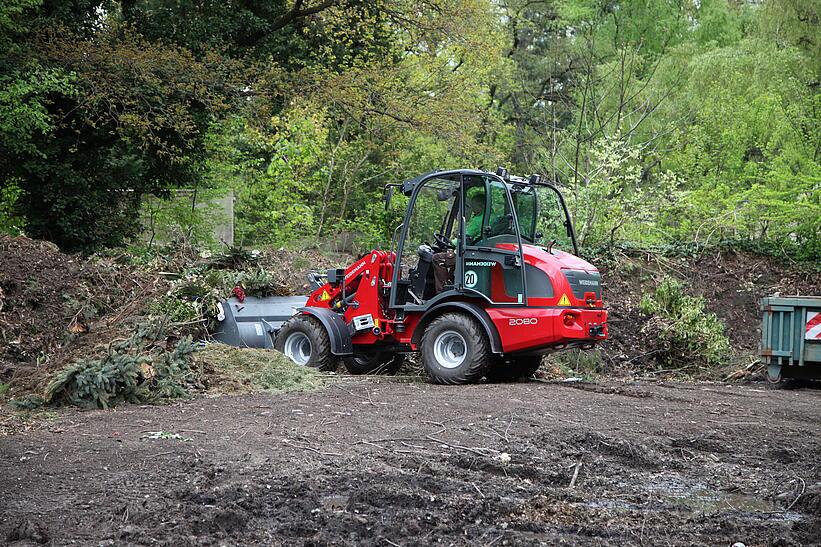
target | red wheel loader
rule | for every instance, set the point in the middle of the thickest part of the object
(482, 277)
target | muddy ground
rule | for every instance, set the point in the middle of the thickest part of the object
(388, 463)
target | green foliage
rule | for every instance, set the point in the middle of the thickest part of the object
(135, 370)
(686, 331)
(793, 23)
(24, 101)
(615, 204)
(175, 309)
(91, 124)
(10, 222)
(666, 123)
(13, 22)
(187, 217)
(671, 123)
(4, 388)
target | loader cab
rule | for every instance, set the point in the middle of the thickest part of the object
(543, 214)
(459, 218)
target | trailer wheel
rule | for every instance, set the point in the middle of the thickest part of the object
(513, 368)
(455, 350)
(774, 375)
(373, 362)
(305, 341)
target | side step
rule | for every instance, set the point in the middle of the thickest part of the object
(254, 322)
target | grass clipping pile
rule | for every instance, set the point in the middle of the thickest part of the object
(233, 370)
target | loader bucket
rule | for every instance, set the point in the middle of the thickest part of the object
(254, 322)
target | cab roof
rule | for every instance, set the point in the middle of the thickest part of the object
(509, 180)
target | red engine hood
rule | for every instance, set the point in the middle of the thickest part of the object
(558, 266)
(558, 259)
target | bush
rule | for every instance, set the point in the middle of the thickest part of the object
(688, 333)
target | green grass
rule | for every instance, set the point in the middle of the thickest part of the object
(230, 370)
(4, 388)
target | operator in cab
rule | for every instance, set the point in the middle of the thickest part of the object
(444, 262)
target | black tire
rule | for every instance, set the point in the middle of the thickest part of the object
(466, 335)
(374, 362)
(301, 328)
(513, 368)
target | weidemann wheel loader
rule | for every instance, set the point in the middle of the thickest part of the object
(484, 280)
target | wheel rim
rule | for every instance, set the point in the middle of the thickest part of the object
(298, 348)
(450, 349)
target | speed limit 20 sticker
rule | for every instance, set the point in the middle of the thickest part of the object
(471, 279)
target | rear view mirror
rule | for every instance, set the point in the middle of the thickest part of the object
(388, 195)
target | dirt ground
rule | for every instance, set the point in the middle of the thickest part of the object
(389, 463)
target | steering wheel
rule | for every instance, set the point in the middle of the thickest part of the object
(442, 242)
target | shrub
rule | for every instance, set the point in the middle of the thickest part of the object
(687, 332)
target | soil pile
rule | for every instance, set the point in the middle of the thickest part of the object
(57, 308)
(732, 284)
(52, 302)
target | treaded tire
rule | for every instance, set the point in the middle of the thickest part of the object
(477, 353)
(513, 368)
(320, 343)
(374, 362)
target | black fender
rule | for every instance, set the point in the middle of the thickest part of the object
(335, 325)
(466, 307)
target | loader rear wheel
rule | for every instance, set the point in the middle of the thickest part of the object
(373, 362)
(305, 341)
(513, 368)
(455, 350)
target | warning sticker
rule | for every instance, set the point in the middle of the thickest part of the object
(564, 300)
(813, 330)
(324, 296)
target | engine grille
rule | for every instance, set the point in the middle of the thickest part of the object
(582, 282)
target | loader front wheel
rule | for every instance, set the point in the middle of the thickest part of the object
(373, 362)
(305, 341)
(455, 350)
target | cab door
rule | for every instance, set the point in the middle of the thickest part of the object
(490, 257)
(432, 212)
